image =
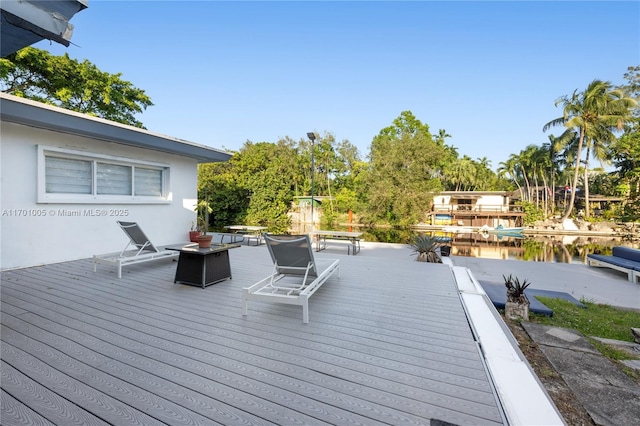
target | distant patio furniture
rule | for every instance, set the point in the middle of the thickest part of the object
(353, 238)
(296, 274)
(226, 238)
(250, 233)
(144, 250)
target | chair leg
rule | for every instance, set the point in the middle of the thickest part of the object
(305, 310)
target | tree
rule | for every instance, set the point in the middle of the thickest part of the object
(403, 172)
(463, 174)
(597, 111)
(540, 163)
(270, 173)
(510, 169)
(632, 88)
(626, 156)
(78, 86)
(598, 147)
(553, 149)
(227, 197)
(626, 151)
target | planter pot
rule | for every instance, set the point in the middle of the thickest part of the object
(445, 250)
(517, 310)
(193, 236)
(430, 256)
(204, 241)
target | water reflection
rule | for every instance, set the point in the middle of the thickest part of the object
(558, 249)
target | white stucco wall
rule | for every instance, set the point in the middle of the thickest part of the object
(33, 233)
(492, 202)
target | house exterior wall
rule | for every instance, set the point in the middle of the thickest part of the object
(33, 233)
(493, 202)
(483, 202)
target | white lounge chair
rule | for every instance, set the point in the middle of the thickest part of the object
(296, 274)
(144, 250)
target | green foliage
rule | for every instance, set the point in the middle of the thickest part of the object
(532, 212)
(626, 156)
(604, 184)
(255, 187)
(404, 169)
(329, 220)
(78, 86)
(466, 174)
(594, 115)
(227, 198)
(258, 184)
(270, 201)
(345, 199)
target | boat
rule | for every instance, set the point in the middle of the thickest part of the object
(500, 230)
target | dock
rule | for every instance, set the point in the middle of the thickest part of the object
(388, 342)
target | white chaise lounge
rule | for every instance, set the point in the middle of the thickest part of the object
(296, 274)
(144, 250)
(624, 259)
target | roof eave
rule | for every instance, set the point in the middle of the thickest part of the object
(35, 114)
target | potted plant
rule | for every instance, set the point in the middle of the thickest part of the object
(426, 248)
(517, 305)
(194, 232)
(204, 209)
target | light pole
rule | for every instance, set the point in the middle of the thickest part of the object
(312, 138)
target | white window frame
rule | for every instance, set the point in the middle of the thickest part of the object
(94, 197)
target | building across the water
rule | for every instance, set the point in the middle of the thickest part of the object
(476, 209)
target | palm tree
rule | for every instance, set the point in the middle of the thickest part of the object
(598, 146)
(509, 169)
(528, 162)
(553, 148)
(485, 177)
(541, 162)
(465, 174)
(599, 110)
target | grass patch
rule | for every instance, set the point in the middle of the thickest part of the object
(595, 320)
(610, 352)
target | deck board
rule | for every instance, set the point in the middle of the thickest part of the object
(387, 343)
(16, 413)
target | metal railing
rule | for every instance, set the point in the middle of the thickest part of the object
(487, 208)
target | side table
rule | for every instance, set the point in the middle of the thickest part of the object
(203, 266)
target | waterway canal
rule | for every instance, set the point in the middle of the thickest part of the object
(555, 248)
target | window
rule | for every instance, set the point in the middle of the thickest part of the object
(79, 177)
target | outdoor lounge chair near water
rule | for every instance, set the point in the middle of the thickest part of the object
(296, 274)
(142, 250)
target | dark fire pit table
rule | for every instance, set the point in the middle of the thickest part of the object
(203, 266)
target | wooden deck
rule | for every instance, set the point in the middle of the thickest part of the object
(388, 343)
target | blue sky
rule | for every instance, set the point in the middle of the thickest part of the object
(221, 73)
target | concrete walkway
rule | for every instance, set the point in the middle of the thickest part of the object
(609, 396)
